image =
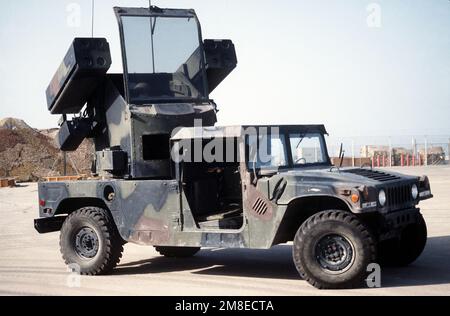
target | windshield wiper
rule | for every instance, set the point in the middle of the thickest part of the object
(152, 33)
(301, 140)
(153, 26)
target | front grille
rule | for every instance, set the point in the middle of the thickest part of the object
(373, 174)
(398, 197)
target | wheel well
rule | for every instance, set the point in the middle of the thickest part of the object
(299, 210)
(70, 205)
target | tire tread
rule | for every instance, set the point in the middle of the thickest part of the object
(113, 242)
(338, 215)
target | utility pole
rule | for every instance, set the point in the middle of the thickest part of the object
(390, 152)
(414, 147)
(93, 17)
(353, 153)
(426, 151)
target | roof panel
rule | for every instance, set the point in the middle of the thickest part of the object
(239, 131)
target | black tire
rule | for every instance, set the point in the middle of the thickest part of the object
(350, 241)
(403, 251)
(90, 240)
(177, 252)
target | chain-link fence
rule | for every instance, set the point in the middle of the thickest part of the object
(389, 151)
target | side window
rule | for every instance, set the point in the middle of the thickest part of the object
(266, 151)
(277, 152)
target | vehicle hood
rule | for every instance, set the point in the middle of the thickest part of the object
(345, 176)
(331, 182)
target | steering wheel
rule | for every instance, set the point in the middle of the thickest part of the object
(297, 162)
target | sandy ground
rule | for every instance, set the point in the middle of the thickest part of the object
(30, 264)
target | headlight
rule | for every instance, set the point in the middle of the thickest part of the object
(382, 197)
(414, 191)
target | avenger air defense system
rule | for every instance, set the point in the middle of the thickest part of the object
(168, 177)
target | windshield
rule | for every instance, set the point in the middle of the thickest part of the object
(285, 150)
(307, 149)
(163, 58)
(174, 40)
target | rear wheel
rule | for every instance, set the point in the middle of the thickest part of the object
(89, 240)
(178, 252)
(406, 249)
(332, 249)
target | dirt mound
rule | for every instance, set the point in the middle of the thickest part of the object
(80, 160)
(10, 138)
(13, 124)
(29, 155)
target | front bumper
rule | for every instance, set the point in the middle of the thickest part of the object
(394, 222)
(425, 195)
(401, 218)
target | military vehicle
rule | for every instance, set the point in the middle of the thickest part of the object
(168, 177)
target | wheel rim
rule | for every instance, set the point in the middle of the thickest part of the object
(334, 253)
(86, 243)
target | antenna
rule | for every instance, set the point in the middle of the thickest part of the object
(93, 18)
(152, 31)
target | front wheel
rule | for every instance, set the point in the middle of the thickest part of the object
(90, 242)
(333, 249)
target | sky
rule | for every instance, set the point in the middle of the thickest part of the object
(362, 68)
